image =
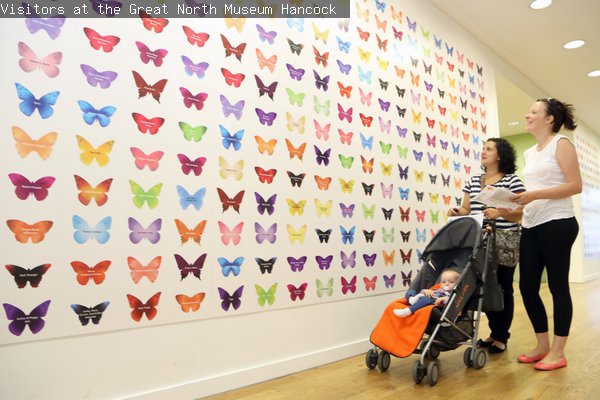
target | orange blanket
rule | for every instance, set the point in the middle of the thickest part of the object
(400, 336)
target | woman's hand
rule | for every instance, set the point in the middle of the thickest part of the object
(453, 212)
(491, 213)
(524, 198)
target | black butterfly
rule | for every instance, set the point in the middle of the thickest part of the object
(368, 188)
(323, 235)
(417, 137)
(265, 266)
(441, 93)
(387, 214)
(383, 84)
(405, 236)
(263, 89)
(369, 235)
(419, 195)
(401, 111)
(87, 314)
(294, 47)
(24, 275)
(296, 180)
(432, 178)
(400, 91)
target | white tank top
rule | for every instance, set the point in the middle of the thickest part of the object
(542, 171)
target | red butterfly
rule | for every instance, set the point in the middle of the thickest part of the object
(404, 214)
(232, 79)
(95, 273)
(196, 100)
(297, 292)
(99, 42)
(153, 24)
(405, 256)
(228, 202)
(199, 39)
(188, 165)
(146, 55)
(144, 88)
(345, 91)
(146, 125)
(138, 309)
(430, 122)
(265, 176)
(321, 58)
(362, 34)
(238, 51)
(142, 159)
(366, 121)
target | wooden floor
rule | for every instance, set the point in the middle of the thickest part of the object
(501, 378)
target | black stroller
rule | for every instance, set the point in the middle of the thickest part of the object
(462, 245)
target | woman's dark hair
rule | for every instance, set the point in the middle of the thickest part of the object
(562, 113)
(507, 156)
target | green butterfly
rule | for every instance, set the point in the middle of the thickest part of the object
(402, 151)
(140, 195)
(324, 289)
(368, 212)
(346, 161)
(388, 236)
(434, 216)
(321, 107)
(190, 133)
(266, 296)
(295, 98)
(385, 147)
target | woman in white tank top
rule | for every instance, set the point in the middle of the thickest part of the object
(552, 176)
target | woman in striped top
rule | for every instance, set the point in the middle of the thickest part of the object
(498, 161)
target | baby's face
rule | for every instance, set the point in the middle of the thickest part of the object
(448, 280)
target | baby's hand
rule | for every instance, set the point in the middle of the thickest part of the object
(440, 301)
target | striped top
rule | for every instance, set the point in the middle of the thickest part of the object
(509, 182)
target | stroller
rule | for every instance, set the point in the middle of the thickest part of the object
(463, 246)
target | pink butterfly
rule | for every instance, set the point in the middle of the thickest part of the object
(24, 187)
(387, 191)
(188, 165)
(370, 283)
(30, 61)
(147, 55)
(297, 292)
(344, 114)
(322, 132)
(348, 286)
(142, 159)
(385, 126)
(231, 235)
(365, 99)
(345, 137)
(196, 100)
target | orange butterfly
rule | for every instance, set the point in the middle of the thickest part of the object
(367, 166)
(265, 176)
(380, 24)
(139, 308)
(323, 183)
(25, 144)
(190, 303)
(187, 233)
(97, 273)
(266, 62)
(388, 259)
(87, 193)
(138, 271)
(399, 71)
(320, 58)
(23, 231)
(263, 146)
(345, 91)
(414, 79)
(295, 151)
(362, 34)
(397, 15)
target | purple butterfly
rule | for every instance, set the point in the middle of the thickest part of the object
(432, 158)
(51, 25)
(264, 89)
(324, 262)
(428, 86)
(406, 278)
(20, 319)
(389, 280)
(348, 261)
(296, 74)
(185, 268)
(263, 205)
(265, 118)
(347, 211)
(191, 68)
(344, 68)
(265, 36)
(297, 265)
(370, 259)
(385, 105)
(96, 78)
(262, 234)
(138, 232)
(229, 109)
(411, 25)
(322, 157)
(321, 83)
(229, 300)
(106, 8)
(401, 131)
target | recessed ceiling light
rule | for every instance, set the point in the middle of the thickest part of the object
(575, 44)
(539, 4)
(513, 123)
(594, 74)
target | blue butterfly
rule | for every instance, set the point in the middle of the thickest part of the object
(296, 23)
(30, 103)
(186, 199)
(228, 267)
(343, 46)
(366, 143)
(404, 193)
(344, 68)
(364, 76)
(84, 232)
(91, 114)
(347, 236)
(380, 5)
(230, 140)
(456, 166)
(421, 236)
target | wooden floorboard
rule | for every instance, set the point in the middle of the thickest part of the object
(502, 377)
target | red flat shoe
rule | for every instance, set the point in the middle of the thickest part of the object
(540, 366)
(524, 358)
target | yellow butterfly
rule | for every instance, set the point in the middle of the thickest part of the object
(295, 125)
(25, 144)
(383, 64)
(234, 170)
(362, 13)
(419, 175)
(452, 82)
(320, 34)
(429, 104)
(416, 117)
(323, 209)
(364, 55)
(445, 162)
(265, 146)
(454, 115)
(346, 186)
(89, 153)
(452, 98)
(433, 197)
(386, 170)
(296, 207)
(237, 23)
(296, 235)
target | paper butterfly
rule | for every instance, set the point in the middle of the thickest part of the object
(188, 165)
(263, 61)
(231, 235)
(190, 99)
(237, 51)
(144, 88)
(232, 109)
(87, 314)
(265, 118)
(19, 320)
(185, 268)
(265, 266)
(24, 275)
(297, 293)
(190, 303)
(348, 260)
(231, 300)
(139, 309)
(30, 103)
(138, 271)
(99, 42)
(263, 205)
(84, 232)
(324, 289)
(262, 235)
(24, 187)
(264, 89)
(187, 233)
(52, 25)
(91, 114)
(31, 62)
(143, 160)
(266, 296)
(23, 231)
(84, 273)
(324, 263)
(190, 133)
(231, 141)
(140, 196)
(235, 170)
(96, 78)
(233, 203)
(348, 286)
(152, 24)
(197, 38)
(138, 232)
(267, 147)
(25, 144)
(297, 264)
(147, 125)
(230, 267)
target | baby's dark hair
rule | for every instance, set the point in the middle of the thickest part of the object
(562, 113)
(507, 156)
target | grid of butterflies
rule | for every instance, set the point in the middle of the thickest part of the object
(365, 129)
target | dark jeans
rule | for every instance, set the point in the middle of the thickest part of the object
(500, 321)
(548, 245)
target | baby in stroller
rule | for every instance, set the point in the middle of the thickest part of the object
(437, 295)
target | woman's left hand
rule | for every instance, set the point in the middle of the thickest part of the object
(524, 198)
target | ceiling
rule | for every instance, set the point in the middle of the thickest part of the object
(531, 41)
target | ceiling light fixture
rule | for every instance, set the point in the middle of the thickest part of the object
(575, 44)
(539, 4)
(594, 74)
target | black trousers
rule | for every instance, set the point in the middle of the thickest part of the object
(548, 246)
(500, 321)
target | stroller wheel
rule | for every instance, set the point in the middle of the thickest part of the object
(479, 359)
(418, 371)
(383, 361)
(433, 372)
(371, 358)
(467, 357)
